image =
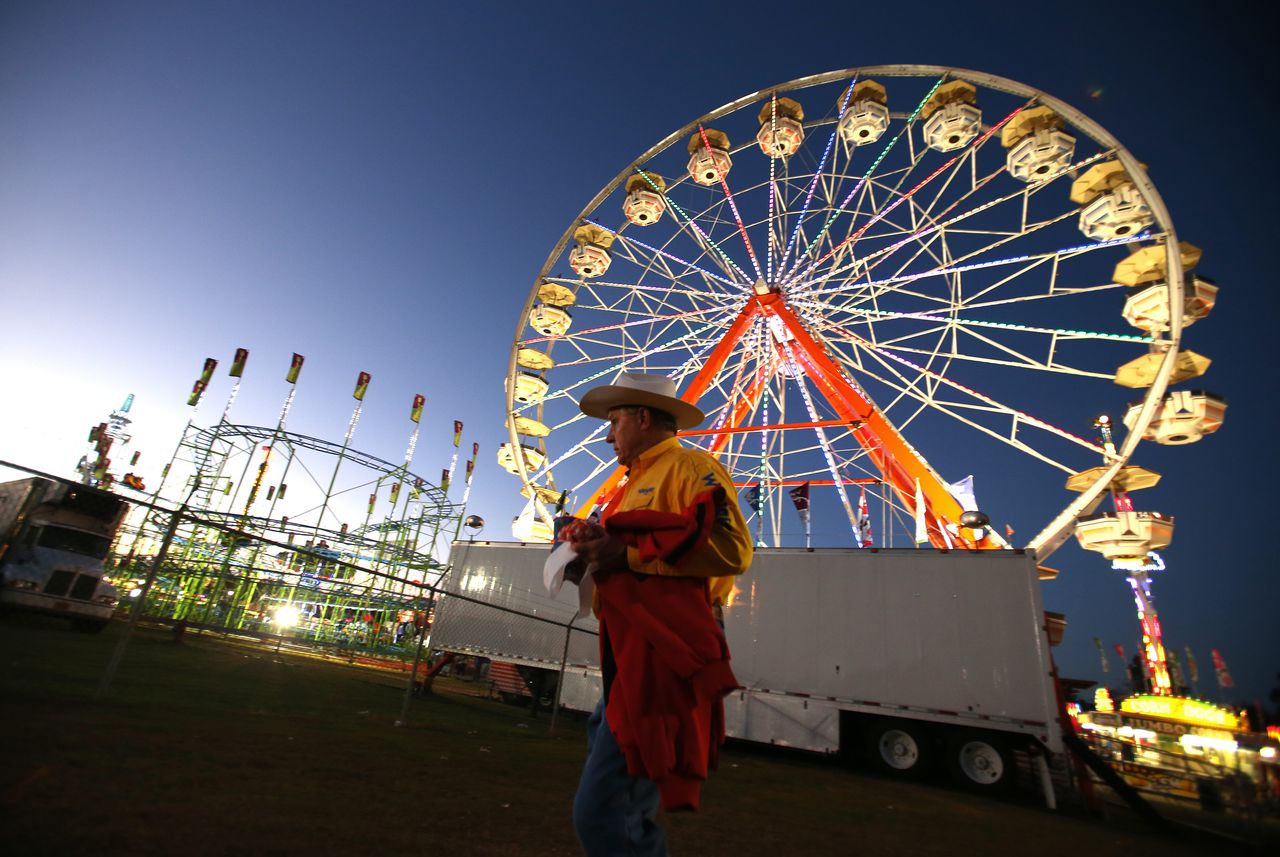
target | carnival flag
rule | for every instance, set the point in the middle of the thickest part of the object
(1175, 670)
(922, 529)
(418, 401)
(1119, 652)
(1008, 531)
(196, 390)
(373, 498)
(457, 432)
(963, 492)
(444, 480)
(237, 363)
(1102, 653)
(800, 497)
(294, 368)
(753, 498)
(864, 521)
(207, 374)
(1220, 667)
(1192, 672)
(362, 386)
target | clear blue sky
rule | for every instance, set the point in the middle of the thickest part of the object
(375, 186)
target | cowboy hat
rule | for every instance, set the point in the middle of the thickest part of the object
(633, 388)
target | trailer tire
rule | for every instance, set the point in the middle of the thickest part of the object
(898, 748)
(980, 761)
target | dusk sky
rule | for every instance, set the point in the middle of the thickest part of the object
(377, 185)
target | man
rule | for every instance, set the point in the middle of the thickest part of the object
(669, 543)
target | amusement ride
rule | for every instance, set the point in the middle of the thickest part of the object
(854, 275)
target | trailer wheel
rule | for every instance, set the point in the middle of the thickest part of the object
(898, 748)
(980, 761)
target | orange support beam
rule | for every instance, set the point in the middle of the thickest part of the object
(894, 457)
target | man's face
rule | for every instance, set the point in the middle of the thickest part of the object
(626, 434)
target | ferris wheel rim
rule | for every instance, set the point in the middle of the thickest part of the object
(1059, 528)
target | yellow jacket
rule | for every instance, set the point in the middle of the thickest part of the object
(666, 478)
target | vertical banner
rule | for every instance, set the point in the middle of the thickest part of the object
(457, 432)
(800, 497)
(753, 498)
(237, 362)
(444, 480)
(362, 386)
(1220, 668)
(206, 375)
(295, 366)
(416, 413)
(864, 521)
(1176, 676)
(922, 529)
(1102, 654)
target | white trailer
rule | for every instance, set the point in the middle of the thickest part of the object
(904, 655)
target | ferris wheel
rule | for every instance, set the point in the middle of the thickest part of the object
(866, 279)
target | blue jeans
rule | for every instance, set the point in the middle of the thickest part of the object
(613, 812)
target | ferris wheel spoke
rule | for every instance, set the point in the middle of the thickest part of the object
(710, 247)
(905, 131)
(817, 175)
(926, 402)
(860, 231)
(733, 206)
(634, 243)
(1023, 416)
(820, 434)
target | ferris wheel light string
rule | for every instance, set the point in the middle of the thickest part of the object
(885, 251)
(673, 258)
(969, 149)
(880, 215)
(975, 266)
(548, 467)
(733, 205)
(617, 367)
(637, 287)
(647, 320)
(821, 434)
(694, 226)
(982, 397)
(1056, 331)
(813, 185)
(870, 171)
(773, 186)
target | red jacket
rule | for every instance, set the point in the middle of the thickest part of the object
(666, 704)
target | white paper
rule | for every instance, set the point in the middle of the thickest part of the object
(553, 577)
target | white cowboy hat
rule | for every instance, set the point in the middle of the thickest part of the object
(633, 388)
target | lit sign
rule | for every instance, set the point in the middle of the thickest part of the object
(1151, 562)
(1184, 710)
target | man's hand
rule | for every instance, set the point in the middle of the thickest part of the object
(593, 543)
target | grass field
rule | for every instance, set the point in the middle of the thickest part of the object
(209, 747)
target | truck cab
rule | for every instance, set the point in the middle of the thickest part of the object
(56, 537)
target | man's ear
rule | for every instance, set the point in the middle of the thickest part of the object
(645, 418)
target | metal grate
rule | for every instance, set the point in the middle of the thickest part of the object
(84, 587)
(59, 582)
